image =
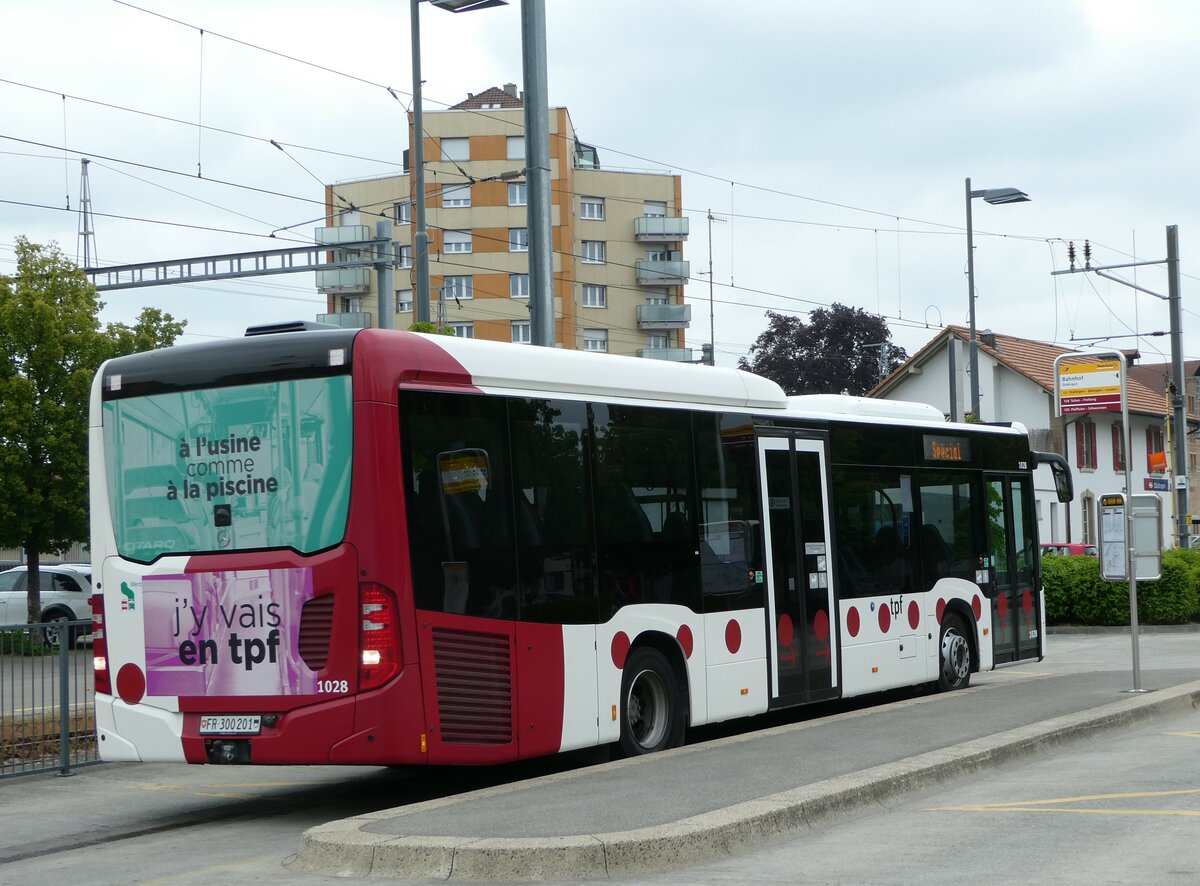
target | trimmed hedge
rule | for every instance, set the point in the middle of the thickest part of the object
(1075, 594)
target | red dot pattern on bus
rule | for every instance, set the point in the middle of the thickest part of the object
(620, 649)
(821, 626)
(787, 631)
(1027, 602)
(914, 614)
(684, 636)
(1002, 605)
(976, 606)
(131, 683)
(733, 636)
(941, 609)
(852, 624)
(885, 618)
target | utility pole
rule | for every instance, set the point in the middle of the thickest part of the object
(712, 327)
(537, 152)
(1178, 400)
(85, 247)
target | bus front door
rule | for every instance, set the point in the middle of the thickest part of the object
(1016, 613)
(800, 601)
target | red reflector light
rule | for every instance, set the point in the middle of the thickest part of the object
(99, 647)
(379, 636)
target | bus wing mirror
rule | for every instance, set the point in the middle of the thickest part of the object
(1061, 471)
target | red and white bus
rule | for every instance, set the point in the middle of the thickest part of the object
(378, 547)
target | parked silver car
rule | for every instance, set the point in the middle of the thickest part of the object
(66, 591)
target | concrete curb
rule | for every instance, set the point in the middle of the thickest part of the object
(342, 848)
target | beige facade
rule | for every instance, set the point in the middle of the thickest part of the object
(617, 238)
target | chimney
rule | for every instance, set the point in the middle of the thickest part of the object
(510, 89)
(988, 338)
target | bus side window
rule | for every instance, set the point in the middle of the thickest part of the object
(948, 536)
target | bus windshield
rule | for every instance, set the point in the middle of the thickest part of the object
(230, 468)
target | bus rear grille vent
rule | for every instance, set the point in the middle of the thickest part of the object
(474, 685)
(316, 624)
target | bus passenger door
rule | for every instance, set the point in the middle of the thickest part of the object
(1013, 563)
(799, 562)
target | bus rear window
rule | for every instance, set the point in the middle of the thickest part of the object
(230, 469)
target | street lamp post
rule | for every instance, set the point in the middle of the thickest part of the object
(420, 231)
(990, 195)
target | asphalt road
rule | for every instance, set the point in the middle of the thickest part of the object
(128, 823)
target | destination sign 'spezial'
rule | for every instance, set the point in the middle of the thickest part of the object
(939, 448)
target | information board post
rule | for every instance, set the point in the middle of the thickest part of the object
(1095, 382)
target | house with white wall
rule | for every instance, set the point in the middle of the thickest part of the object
(1016, 384)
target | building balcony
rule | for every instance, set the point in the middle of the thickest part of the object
(348, 320)
(664, 316)
(659, 229)
(655, 273)
(675, 355)
(344, 281)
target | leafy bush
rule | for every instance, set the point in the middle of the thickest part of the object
(1076, 594)
(19, 643)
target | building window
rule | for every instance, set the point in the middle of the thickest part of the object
(1118, 446)
(1085, 444)
(595, 296)
(404, 256)
(456, 149)
(518, 286)
(404, 300)
(658, 253)
(351, 304)
(458, 287)
(656, 341)
(456, 241)
(456, 195)
(518, 239)
(592, 208)
(1156, 456)
(516, 147)
(402, 212)
(521, 333)
(656, 295)
(518, 193)
(595, 339)
(654, 209)
(462, 330)
(593, 252)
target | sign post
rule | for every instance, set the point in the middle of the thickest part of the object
(1095, 382)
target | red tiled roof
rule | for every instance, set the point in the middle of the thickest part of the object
(1035, 361)
(492, 97)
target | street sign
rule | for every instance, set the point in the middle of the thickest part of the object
(1156, 484)
(1146, 526)
(1089, 387)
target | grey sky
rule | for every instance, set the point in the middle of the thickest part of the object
(839, 107)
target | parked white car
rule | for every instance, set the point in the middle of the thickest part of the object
(66, 591)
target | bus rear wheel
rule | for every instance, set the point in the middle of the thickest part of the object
(955, 655)
(651, 704)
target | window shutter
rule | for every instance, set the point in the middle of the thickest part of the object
(1091, 432)
(1079, 445)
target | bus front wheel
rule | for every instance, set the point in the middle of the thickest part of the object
(651, 704)
(955, 655)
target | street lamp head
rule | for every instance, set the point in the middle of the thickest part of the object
(1002, 195)
(467, 5)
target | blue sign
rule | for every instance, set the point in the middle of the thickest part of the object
(1157, 484)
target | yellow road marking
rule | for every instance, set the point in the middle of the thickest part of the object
(199, 875)
(1185, 734)
(1058, 804)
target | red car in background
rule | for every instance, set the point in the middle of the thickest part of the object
(1068, 549)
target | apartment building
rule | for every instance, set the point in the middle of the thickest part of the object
(619, 272)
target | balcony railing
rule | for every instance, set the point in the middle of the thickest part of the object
(650, 273)
(659, 228)
(676, 355)
(344, 280)
(663, 316)
(347, 320)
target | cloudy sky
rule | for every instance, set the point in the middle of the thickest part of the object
(833, 139)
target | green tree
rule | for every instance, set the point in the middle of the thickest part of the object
(51, 345)
(839, 351)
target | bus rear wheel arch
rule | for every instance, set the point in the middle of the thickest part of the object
(652, 708)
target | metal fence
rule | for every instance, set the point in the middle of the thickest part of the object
(47, 704)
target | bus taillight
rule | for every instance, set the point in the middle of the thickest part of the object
(99, 647)
(379, 641)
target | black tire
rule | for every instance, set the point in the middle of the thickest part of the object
(954, 655)
(652, 716)
(51, 632)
